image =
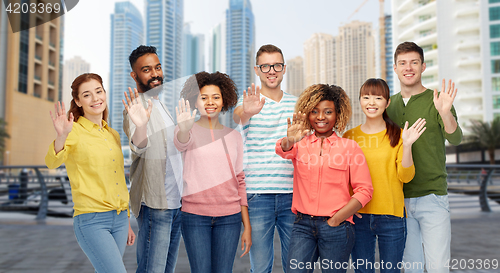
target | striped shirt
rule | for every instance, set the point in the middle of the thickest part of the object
(266, 172)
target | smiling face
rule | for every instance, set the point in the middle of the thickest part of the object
(147, 72)
(409, 68)
(209, 102)
(322, 118)
(373, 105)
(271, 79)
(92, 99)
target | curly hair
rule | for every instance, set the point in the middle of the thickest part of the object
(227, 87)
(316, 93)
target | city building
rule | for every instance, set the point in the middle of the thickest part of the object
(193, 52)
(319, 59)
(30, 77)
(217, 48)
(126, 35)
(459, 42)
(72, 68)
(294, 75)
(388, 76)
(240, 45)
(355, 53)
(164, 24)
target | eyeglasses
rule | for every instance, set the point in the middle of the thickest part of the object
(267, 67)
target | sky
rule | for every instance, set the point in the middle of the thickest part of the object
(284, 23)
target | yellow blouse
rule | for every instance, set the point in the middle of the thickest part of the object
(386, 170)
(94, 163)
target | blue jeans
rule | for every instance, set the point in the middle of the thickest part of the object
(312, 237)
(267, 212)
(211, 242)
(391, 234)
(158, 239)
(103, 237)
(428, 224)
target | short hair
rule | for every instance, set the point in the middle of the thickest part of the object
(139, 52)
(407, 47)
(75, 86)
(268, 49)
(316, 93)
(196, 82)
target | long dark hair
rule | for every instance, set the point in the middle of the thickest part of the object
(379, 87)
(75, 109)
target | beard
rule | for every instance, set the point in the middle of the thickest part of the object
(146, 87)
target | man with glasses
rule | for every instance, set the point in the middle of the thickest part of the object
(263, 112)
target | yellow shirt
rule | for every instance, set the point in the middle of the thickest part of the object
(388, 175)
(94, 163)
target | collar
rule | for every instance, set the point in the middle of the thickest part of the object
(331, 139)
(89, 125)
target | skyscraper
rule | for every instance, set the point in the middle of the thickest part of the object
(217, 48)
(30, 76)
(295, 76)
(319, 59)
(355, 63)
(72, 69)
(193, 52)
(389, 54)
(126, 35)
(240, 43)
(164, 24)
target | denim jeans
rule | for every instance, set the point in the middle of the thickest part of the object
(103, 237)
(312, 237)
(158, 239)
(211, 242)
(267, 212)
(429, 224)
(390, 231)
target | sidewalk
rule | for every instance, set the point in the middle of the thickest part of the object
(30, 246)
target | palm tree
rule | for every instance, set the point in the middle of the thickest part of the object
(487, 135)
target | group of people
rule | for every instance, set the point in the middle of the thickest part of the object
(329, 194)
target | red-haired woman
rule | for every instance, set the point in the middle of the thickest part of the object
(92, 153)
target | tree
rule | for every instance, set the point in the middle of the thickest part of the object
(487, 135)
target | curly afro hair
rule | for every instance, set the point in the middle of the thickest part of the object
(320, 92)
(227, 87)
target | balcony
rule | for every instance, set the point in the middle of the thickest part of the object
(409, 33)
(430, 38)
(468, 44)
(419, 10)
(468, 61)
(468, 28)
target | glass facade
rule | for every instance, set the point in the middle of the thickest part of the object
(126, 35)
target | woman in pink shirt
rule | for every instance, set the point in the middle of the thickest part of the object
(331, 180)
(214, 200)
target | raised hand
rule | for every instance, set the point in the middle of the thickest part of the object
(296, 130)
(444, 101)
(410, 135)
(62, 124)
(185, 119)
(138, 114)
(252, 104)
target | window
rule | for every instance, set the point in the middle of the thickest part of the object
(495, 84)
(494, 31)
(495, 66)
(494, 13)
(495, 48)
(496, 102)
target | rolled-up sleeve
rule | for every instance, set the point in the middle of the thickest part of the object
(288, 154)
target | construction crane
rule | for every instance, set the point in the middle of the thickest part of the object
(381, 23)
